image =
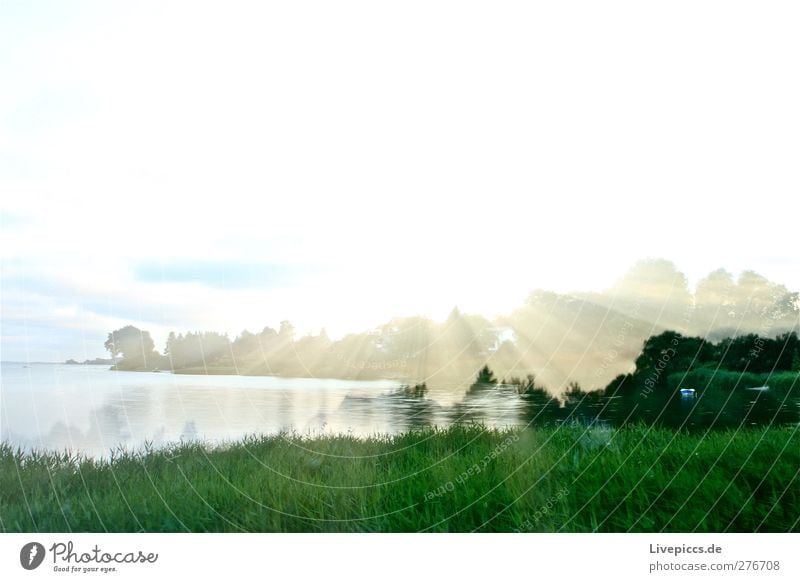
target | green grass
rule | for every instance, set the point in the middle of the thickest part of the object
(566, 479)
(727, 380)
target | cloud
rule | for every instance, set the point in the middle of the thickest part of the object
(178, 162)
(11, 220)
(220, 274)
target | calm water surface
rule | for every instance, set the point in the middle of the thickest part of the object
(92, 410)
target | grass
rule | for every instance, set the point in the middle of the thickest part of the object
(455, 479)
(727, 380)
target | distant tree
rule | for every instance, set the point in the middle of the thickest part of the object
(524, 386)
(194, 349)
(244, 345)
(621, 385)
(286, 331)
(787, 348)
(267, 339)
(670, 352)
(485, 376)
(574, 394)
(737, 353)
(171, 339)
(415, 391)
(134, 345)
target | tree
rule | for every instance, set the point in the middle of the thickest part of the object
(486, 376)
(134, 345)
(206, 348)
(573, 395)
(286, 331)
(787, 348)
(415, 391)
(244, 345)
(670, 352)
(524, 386)
(171, 339)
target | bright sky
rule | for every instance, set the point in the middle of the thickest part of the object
(189, 165)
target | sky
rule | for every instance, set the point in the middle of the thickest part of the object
(191, 165)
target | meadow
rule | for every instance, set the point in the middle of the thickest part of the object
(458, 479)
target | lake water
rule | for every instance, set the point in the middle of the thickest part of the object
(92, 410)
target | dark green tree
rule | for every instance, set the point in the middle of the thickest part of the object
(485, 376)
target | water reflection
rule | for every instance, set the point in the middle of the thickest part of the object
(92, 410)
